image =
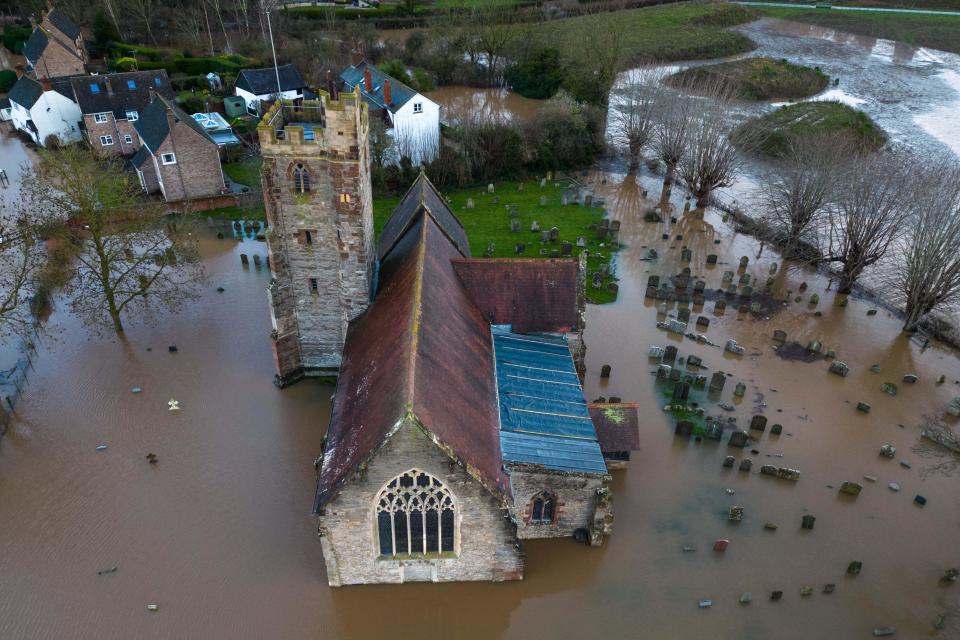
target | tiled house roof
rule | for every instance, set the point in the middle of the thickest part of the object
(120, 92)
(617, 426)
(26, 91)
(35, 45)
(63, 22)
(400, 92)
(153, 126)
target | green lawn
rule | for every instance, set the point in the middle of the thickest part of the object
(245, 172)
(489, 223)
(230, 213)
(935, 32)
(820, 118)
(756, 78)
(683, 31)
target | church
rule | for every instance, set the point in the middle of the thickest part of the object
(459, 426)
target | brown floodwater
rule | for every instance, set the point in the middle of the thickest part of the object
(484, 104)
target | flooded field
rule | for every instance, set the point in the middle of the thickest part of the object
(219, 535)
(484, 104)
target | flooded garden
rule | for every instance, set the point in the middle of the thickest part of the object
(218, 532)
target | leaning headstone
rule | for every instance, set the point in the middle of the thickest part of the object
(776, 429)
(733, 347)
(670, 353)
(863, 407)
(746, 464)
(854, 568)
(738, 439)
(717, 381)
(839, 368)
(779, 335)
(741, 390)
(684, 428)
(605, 371)
(728, 462)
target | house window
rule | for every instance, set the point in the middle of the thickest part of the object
(132, 116)
(106, 140)
(156, 81)
(543, 508)
(128, 139)
(131, 85)
(418, 107)
(301, 179)
(94, 87)
(416, 515)
(168, 158)
(313, 286)
(100, 118)
(345, 198)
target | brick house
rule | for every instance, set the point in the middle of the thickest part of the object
(177, 157)
(112, 103)
(55, 48)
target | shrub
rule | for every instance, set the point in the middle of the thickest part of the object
(104, 31)
(538, 74)
(15, 37)
(7, 79)
(124, 64)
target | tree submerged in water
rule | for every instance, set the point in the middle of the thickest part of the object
(126, 259)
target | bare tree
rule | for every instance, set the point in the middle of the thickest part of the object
(928, 274)
(19, 263)
(939, 444)
(634, 113)
(798, 190)
(143, 10)
(675, 118)
(189, 20)
(126, 259)
(711, 161)
(493, 31)
(383, 149)
(218, 10)
(868, 215)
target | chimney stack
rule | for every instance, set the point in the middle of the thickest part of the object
(46, 84)
(356, 57)
(331, 85)
(152, 93)
(368, 80)
(106, 82)
(387, 92)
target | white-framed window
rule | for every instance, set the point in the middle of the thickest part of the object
(168, 158)
(106, 140)
(132, 116)
(100, 118)
(416, 516)
(418, 107)
(128, 139)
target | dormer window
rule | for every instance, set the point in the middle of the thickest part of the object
(132, 116)
(100, 118)
(418, 107)
(301, 179)
(131, 85)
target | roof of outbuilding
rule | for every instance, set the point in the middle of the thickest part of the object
(400, 93)
(529, 294)
(113, 92)
(4, 103)
(153, 127)
(617, 424)
(63, 22)
(264, 81)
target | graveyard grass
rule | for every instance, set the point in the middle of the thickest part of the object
(489, 223)
(246, 172)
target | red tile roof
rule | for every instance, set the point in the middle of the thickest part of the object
(530, 294)
(617, 425)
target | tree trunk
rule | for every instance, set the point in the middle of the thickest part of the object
(914, 314)
(108, 291)
(703, 199)
(848, 277)
(669, 176)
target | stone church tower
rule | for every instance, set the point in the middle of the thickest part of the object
(317, 193)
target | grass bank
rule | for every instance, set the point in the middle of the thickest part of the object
(935, 32)
(756, 78)
(683, 31)
(245, 172)
(488, 222)
(777, 129)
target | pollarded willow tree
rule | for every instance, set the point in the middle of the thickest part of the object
(127, 260)
(928, 274)
(634, 112)
(800, 187)
(20, 261)
(868, 216)
(671, 135)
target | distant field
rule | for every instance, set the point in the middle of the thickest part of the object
(941, 5)
(685, 31)
(935, 32)
(755, 78)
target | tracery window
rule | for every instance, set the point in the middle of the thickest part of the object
(543, 509)
(415, 516)
(301, 179)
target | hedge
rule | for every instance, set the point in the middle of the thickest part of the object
(15, 37)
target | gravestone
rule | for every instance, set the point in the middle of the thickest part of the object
(699, 286)
(663, 371)
(839, 368)
(776, 429)
(490, 188)
(719, 306)
(602, 233)
(712, 258)
(703, 321)
(744, 261)
(738, 439)
(566, 249)
(543, 201)
(728, 462)
(588, 200)
(670, 353)
(694, 361)
(744, 279)
(727, 277)
(581, 242)
(605, 371)
(686, 255)
(779, 335)
(807, 522)
(698, 299)
(683, 315)
(554, 234)
(544, 236)
(758, 423)
(746, 464)
(684, 428)
(740, 390)
(515, 225)
(717, 381)
(519, 248)
(714, 430)
(653, 281)
(597, 280)
(534, 226)
(681, 391)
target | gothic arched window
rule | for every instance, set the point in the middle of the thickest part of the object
(301, 179)
(543, 509)
(415, 516)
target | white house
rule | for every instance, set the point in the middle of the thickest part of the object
(259, 85)
(5, 109)
(414, 118)
(45, 108)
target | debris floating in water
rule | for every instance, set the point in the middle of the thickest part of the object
(106, 572)
(706, 604)
(101, 447)
(136, 390)
(174, 404)
(153, 607)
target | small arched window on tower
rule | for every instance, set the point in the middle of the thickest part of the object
(345, 198)
(543, 509)
(301, 179)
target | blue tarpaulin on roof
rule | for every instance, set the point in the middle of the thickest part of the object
(543, 415)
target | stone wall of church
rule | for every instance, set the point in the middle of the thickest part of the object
(485, 540)
(321, 241)
(576, 499)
